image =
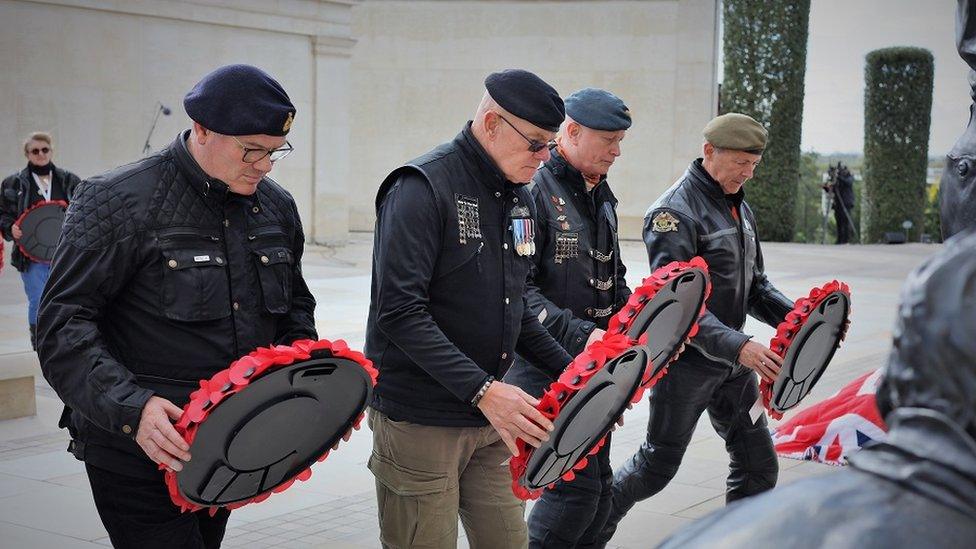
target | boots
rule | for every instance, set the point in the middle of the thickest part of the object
(33, 332)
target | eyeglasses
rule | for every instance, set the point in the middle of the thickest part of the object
(252, 156)
(534, 146)
(42, 150)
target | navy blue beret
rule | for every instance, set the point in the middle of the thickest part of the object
(528, 97)
(240, 100)
(598, 109)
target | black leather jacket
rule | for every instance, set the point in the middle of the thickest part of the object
(694, 217)
(162, 278)
(577, 276)
(18, 192)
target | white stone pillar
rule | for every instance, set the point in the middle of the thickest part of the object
(330, 190)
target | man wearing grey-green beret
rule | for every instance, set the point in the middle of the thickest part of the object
(704, 214)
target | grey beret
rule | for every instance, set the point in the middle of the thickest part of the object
(598, 109)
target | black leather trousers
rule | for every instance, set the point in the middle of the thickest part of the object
(677, 401)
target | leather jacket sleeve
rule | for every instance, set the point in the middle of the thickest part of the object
(8, 206)
(623, 290)
(568, 330)
(537, 345)
(299, 322)
(71, 185)
(96, 257)
(715, 339)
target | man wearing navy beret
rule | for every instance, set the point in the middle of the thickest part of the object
(576, 283)
(169, 269)
(453, 244)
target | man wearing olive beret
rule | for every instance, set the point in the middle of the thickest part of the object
(169, 269)
(704, 214)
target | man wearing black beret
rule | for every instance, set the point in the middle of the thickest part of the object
(704, 214)
(169, 269)
(453, 244)
(576, 284)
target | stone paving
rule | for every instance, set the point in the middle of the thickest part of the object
(45, 501)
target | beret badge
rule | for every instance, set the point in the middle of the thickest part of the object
(288, 121)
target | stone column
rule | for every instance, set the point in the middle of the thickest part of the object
(330, 191)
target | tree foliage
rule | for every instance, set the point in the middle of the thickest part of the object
(765, 49)
(897, 116)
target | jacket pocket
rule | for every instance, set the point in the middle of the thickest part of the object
(195, 286)
(455, 259)
(403, 481)
(274, 266)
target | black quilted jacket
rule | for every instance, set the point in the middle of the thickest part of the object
(163, 277)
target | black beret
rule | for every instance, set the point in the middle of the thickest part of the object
(598, 109)
(240, 100)
(528, 97)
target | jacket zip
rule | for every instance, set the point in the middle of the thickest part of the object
(230, 285)
(742, 278)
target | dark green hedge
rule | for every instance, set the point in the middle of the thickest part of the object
(897, 115)
(765, 47)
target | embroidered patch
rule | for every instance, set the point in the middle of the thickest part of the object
(469, 221)
(664, 222)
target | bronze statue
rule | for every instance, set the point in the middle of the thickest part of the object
(958, 200)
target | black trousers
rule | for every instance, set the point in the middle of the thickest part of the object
(676, 403)
(139, 514)
(572, 514)
(843, 220)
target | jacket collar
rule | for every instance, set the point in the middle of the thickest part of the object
(483, 167)
(210, 187)
(58, 177)
(707, 184)
(569, 176)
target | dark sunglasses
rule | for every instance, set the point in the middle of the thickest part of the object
(44, 150)
(534, 146)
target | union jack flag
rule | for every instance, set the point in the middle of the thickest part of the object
(835, 428)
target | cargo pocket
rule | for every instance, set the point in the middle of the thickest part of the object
(416, 508)
(195, 286)
(274, 265)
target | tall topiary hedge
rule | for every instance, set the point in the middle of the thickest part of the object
(897, 116)
(765, 49)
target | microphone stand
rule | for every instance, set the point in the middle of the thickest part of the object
(160, 109)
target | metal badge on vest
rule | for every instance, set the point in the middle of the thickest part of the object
(523, 230)
(469, 221)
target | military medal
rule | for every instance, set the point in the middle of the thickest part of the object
(523, 233)
(558, 202)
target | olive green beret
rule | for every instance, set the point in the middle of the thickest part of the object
(736, 132)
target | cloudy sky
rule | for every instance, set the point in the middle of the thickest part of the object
(842, 32)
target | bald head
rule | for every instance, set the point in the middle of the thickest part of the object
(507, 140)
